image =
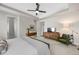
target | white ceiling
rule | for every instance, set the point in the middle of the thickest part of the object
(50, 8)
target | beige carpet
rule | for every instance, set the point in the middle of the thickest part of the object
(58, 48)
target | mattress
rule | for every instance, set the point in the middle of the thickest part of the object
(20, 47)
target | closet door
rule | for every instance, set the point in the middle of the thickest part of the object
(11, 27)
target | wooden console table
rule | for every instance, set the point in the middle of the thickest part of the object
(31, 33)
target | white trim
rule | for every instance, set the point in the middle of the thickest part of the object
(18, 26)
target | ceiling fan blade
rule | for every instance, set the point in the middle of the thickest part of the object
(37, 8)
(42, 11)
(31, 10)
(37, 3)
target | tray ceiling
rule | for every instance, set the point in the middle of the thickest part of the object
(50, 8)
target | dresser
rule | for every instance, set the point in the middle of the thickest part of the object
(52, 35)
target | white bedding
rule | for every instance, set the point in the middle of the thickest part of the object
(42, 48)
(20, 47)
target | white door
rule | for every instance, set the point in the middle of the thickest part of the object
(11, 27)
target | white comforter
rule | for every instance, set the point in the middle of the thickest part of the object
(26, 46)
(42, 48)
(20, 47)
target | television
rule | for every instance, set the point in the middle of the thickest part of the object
(51, 29)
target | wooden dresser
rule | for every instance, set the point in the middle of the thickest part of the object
(52, 35)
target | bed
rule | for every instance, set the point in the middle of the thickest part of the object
(26, 46)
(41, 47)
(20, 47)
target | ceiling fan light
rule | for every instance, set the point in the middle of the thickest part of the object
(37, 12)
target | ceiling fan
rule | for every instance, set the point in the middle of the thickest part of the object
(37, 9)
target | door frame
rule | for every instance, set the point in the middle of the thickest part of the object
(42, 28)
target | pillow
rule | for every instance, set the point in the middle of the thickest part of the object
(3, 46)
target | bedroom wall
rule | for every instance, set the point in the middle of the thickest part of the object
(4, 24)
(22, 20)
(24, 24)
(65, 22)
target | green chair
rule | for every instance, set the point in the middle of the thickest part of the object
(65, 39)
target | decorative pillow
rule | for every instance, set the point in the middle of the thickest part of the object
(3, 46)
